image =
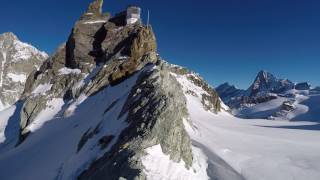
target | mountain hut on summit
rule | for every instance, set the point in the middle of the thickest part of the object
(133, 14)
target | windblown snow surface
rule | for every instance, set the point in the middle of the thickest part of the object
(256, 149)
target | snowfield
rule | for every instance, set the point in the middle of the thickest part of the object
(256, 149)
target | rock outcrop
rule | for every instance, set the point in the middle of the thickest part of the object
(17, 61)
(95, 7)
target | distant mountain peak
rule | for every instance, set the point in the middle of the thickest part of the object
(17, 61)
(264, 75)
(9, 35)
(265, 82)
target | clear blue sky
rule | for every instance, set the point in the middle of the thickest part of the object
(223, 40)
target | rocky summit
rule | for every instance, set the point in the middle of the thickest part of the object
(17, 61)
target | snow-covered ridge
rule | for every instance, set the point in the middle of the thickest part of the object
(25, 51)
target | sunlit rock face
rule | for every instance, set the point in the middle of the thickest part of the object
(17, 61)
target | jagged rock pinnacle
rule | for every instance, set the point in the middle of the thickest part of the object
(95, 7)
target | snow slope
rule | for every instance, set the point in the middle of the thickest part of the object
(256, 149)
(53, 149)
(312, 103)
(159, 166)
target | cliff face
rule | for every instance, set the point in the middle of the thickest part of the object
(17, 61)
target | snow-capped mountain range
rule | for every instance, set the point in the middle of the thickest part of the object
(17, 61)
(105, 105)
(271, 98)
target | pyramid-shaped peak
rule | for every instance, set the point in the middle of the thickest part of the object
(264, 73)
(265, 76)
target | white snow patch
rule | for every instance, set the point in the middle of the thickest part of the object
(95, 22)
(132, 20)
(17, 77)
(123, 57)
(187, 85)
(70, 111)
(2, 106)
(52, 108)
(4, 54)
(65, 71)
(41, 89)
(4, 117)
(159, 166)
(25, 51)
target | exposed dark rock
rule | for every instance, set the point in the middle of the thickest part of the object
(86, 136)
(302, 86)
(287, 106)
(105, 141)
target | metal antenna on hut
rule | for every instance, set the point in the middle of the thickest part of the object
(148, 20)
